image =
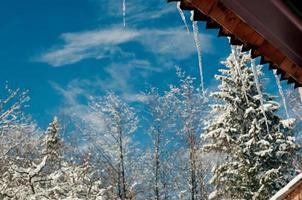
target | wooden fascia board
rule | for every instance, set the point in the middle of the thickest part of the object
(233, 24)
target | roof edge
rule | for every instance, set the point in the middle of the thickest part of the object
(281, 194)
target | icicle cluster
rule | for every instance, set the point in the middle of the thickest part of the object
(253, 65)
(235, 49)
(199, 52)
(124, 13)
(281, 93)
(183, 17)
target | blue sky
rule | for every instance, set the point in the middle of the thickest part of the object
(65, 50)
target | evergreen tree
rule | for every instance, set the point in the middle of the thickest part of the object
(258, 147)
(51, 177)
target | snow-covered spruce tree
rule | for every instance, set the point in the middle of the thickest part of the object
(76, 181)
(51, 177)
(67, 180)
(52, 145)
(258, 146)
(25, 176)
(293, 99)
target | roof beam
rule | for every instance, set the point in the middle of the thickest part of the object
(243, 34)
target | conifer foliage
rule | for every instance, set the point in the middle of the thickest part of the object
(257, 162)
(48, 176)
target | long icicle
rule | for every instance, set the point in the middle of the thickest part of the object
(238, 68)
(124, 13)
(253, 65)
(183, 17)
(281, 93)
(198, 48)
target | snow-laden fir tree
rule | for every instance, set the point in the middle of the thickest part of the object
(50, 177)
(293, 99)
(23, 177)
(257, 145)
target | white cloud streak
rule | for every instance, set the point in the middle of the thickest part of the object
(77, 110)
(90, 44)
(138, 11)
(175, 43)
(99, 44)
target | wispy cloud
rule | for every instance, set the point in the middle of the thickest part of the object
(75, 109)
(147, 11)
(90, 44)
(122, 78)
(99, 44)
(174, 42)
(136, 11)
(126, 79)
(78, 93)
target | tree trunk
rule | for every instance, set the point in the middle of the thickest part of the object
(119, 182)
(157, 165)
(122, 167)
(203, 188)
(193, 166)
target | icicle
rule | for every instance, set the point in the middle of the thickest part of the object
(300, 93)
(124, 12)
(253, 65)
(183, 17)
(238, 68)
(198, 48)
(281, 93)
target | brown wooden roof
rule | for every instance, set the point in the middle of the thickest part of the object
(292, 191)
(266, 27)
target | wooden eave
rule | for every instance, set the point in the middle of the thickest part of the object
(281, 49)
(291, 190)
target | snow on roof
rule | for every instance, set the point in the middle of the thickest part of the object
(287, 189)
